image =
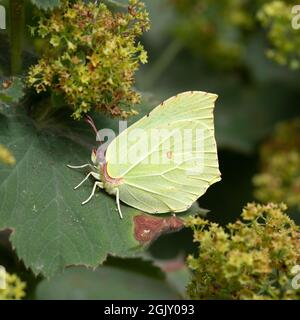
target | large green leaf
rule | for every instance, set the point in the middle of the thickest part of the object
(107, 282)
(51, 229)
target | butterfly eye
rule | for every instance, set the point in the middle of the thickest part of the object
(100, 155)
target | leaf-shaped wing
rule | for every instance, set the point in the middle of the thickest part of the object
(167, 159)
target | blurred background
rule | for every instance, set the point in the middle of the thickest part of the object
(247, 52)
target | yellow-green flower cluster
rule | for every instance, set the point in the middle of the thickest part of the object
(277, 17)
(279, 179)
(249, 259)
(220, 30)
(15, 288)
(6, 156)
(92, 56)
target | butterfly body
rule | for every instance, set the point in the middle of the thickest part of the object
(109, 184)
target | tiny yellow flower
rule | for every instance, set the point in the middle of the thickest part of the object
(15, 288)
(249, 259)
(6, 156)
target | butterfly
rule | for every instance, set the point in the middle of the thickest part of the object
(163, 162)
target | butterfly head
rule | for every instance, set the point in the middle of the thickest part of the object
(98, 157)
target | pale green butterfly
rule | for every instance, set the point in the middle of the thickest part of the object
(170, 165)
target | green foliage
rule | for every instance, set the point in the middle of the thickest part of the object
(276, 17)
(109, 282)
(258, 92)
(188, 44)
(51, 228)
(211, 27)
(12, 91)
(250, 259)
(220, 30)
(92, 56)
(279, 179)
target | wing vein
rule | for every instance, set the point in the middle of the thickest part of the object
(138, 200)
(151, 191)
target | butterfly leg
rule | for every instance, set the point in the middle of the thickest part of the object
(95, 175)
(118, 203)
(80, 167)
(96, 184)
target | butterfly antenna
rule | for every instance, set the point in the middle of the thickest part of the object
(91, 122)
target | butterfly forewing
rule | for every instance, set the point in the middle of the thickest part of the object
(167, 159)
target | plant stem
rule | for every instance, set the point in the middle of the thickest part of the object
(16, 34)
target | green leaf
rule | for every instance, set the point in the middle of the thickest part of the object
(107, 282)
(238, 111)
(13, 93)
(142, 265)
(179, 280)
(51, 229)
(177, 273)
(46, 4)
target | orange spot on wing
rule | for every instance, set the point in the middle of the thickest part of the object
(169, 154)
